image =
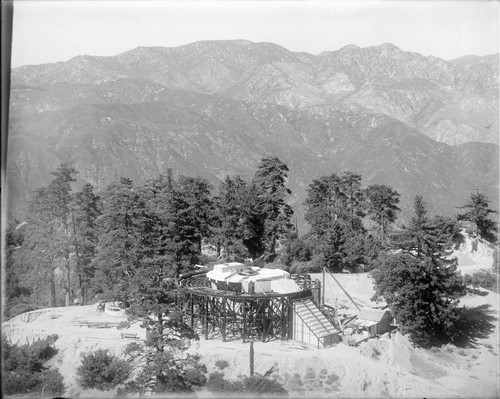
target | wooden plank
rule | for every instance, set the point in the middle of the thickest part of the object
(102, 324)
(129, 335)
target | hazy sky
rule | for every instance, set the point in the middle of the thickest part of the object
(48, 31)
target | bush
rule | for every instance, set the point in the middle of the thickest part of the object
(297, 250)
(24, 371)
(52, 382)
(221, 364)
(218, 384)
(102, 371)
(260, 385)
(15, 309)
(483, 279)
(166, 372)
(133, 349)
(304, 267)
(254, 385)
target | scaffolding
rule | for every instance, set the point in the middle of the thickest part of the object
(230, 315)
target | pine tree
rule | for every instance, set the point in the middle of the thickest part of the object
(323, 204)
(334, 207)
(17, 292)
(166, 367)
(121, 237)
(85, 209)
(382, 206)
(229, 205)
(331, 251)
(254, 221)
(147, 233)
(477, 210)
(353, 197)
(422, 284)
(431, 238)
(48, 243)
(194, 213)
(270, 181)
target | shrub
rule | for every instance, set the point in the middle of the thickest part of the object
(52, 382)
(260, 385)
(122, 325)
(297, 250)
(310, 376)
(332, 379)
(218, 384)
(483, 279)
(16, 308)
(221, 364)
(24, 370)
(166, 372)
(132, 349)
(304, 267)
(254, 385)
(102, 371)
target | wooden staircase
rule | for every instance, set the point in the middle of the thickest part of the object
(311, 326)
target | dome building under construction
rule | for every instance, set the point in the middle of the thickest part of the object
(236, 301)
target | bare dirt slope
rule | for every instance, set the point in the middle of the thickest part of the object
(388, 366)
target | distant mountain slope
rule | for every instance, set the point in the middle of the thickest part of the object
(213, 136)
(453, 102)
(420, 124)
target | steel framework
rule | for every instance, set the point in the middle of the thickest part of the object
(229, 315)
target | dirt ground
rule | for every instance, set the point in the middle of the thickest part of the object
(388, 366)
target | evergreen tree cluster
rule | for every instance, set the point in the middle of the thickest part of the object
(76, 245)
(349, 225)
(129, 243)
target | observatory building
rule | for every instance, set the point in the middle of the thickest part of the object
(237, 301)
(243, 279)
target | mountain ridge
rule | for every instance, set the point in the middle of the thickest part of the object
(265, 72)
(218, 107)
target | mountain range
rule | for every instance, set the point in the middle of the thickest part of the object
(420, 124)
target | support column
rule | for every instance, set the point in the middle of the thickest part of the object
(224, 310)
(191, 308)
(244, 305)
(251, 358)
(205, 305)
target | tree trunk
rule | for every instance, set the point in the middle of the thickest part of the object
(160, 332)
(78, 271)
(159, 342)
(272, 250)
(68, 286)
(52, 289)
(251, 358)
(85, 291)
(382, 232)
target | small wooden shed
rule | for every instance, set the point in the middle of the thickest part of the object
(376, 321)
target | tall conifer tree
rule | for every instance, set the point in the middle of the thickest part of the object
(422, 284)
(270, 183)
